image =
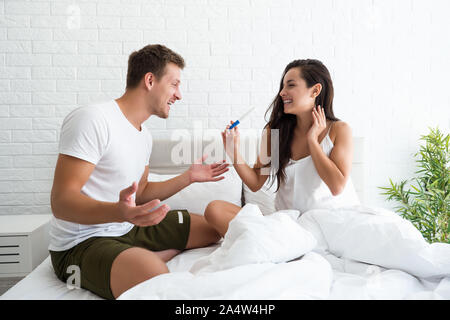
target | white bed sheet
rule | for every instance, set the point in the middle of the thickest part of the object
(42, 283)
(351, 280)
(317, 274)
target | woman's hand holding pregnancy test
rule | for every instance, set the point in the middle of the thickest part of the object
(148, 214)
(230, 137)
(234, 124)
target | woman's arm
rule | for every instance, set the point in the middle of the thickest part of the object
(254, 177)
(334, 170)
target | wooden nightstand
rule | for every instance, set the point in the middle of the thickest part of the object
(24, 243)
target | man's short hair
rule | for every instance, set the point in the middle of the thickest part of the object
(151, 58)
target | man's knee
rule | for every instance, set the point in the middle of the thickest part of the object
(133, 266)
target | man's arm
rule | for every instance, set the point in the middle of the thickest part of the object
(197, 172)
(162, 190)
(68, 203)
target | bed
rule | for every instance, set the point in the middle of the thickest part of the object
(340, 253)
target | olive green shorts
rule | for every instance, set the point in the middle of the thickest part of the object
(95, 256)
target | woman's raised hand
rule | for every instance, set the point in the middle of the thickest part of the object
(231, 140)
(318, 125)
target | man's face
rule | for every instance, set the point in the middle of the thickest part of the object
(166, 91)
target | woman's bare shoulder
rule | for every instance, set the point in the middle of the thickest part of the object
(340, 130)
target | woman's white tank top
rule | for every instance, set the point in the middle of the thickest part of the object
(304, 190)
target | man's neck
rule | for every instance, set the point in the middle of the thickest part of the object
(133, 106)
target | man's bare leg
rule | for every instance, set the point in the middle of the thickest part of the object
(219, 213)
(133, 266)
(136, 265)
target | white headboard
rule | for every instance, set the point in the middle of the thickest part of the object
(175, 156)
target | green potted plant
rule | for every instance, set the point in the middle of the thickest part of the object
(426, 203)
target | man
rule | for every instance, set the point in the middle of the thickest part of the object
(106, 216)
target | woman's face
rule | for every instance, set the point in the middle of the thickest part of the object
(297, 97)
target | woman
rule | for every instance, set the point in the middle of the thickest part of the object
(315, 148)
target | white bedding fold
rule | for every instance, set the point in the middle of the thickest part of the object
(254, 238)
(308, 278)
(377, 236)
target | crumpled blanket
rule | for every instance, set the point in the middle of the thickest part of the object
(343, 253)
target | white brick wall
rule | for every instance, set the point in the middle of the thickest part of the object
(389, 62)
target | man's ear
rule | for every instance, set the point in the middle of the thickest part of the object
(149, 80)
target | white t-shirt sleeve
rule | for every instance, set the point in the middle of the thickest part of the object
(84, 134)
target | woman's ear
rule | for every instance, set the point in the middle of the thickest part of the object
(317, 89)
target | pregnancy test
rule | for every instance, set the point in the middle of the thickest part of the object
(242, 118)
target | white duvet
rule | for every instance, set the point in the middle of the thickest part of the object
(346, 253)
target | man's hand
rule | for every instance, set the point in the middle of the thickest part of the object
(199, 172)
(142, 215)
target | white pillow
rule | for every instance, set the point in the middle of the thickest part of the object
(196, 196)
(264, 198)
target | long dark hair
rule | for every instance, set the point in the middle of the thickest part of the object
(313, 72)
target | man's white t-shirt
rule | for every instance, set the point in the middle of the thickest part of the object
(102, 135)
